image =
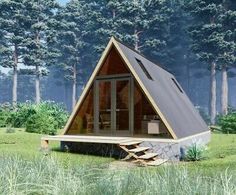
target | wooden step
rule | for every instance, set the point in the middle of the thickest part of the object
(157, 162)
(148, 156)
(130, 143)
(139, 149)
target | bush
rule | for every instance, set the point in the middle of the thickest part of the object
(195, 152)
(5, 110)
(41, 123)
(25, 115)
(227, 123)
(56, 111)
(20, 115)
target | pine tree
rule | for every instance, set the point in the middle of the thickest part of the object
(103, 22)
(214, 42)
(130, 21)
(133, 22)
(227, 47)
(142, 23)
(204, 33)
(157, 35)
(71, 43)
(175, 56)
(12, 37)
(39, 14)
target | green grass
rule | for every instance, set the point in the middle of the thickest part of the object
(221, 153)
(46, 176)
(27, 170)
(27, 145)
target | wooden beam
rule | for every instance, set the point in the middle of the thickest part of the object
(44, 144)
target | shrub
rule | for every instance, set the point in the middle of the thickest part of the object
(5, 110)
(24, 115)
(228, 123)
(195, 152)
(20, 115)
(57, 111)
(41, 123)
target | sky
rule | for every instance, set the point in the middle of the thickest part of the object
(5, 70)
(62, 2)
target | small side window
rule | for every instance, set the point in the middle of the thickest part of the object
(177, 85)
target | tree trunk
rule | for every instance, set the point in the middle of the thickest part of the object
(37, 85)
(188, 78)
(37, 76)
(74, 87)
(213, 93)
(224, 91)
(113, 14)
(14, 86)
(136, 43)
(65, 94)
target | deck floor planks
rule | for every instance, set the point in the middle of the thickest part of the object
(87, 139)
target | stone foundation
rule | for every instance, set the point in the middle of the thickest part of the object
(171, 150)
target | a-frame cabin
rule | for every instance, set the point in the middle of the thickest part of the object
(129, 96)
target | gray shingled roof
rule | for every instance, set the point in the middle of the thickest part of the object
(175, 105)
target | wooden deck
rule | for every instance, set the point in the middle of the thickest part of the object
(100, 139)
(85, 139)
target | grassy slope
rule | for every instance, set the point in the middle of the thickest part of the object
(221, 151)
(221, 155)
(28, 146)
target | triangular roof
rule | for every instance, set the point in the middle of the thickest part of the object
(162, 90)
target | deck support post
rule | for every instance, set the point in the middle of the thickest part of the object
(44, 144)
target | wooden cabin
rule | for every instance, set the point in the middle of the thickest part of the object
(128, 96)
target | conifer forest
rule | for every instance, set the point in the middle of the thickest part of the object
(48, 49)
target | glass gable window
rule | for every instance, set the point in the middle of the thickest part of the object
(113, 64)
(83, 123)
(144, 114)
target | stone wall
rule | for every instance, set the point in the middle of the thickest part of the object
(173, 151)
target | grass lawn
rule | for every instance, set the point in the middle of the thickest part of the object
(27, 170)
(27, 145)
(221, 153)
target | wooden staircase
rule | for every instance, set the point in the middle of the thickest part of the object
(140, 154)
